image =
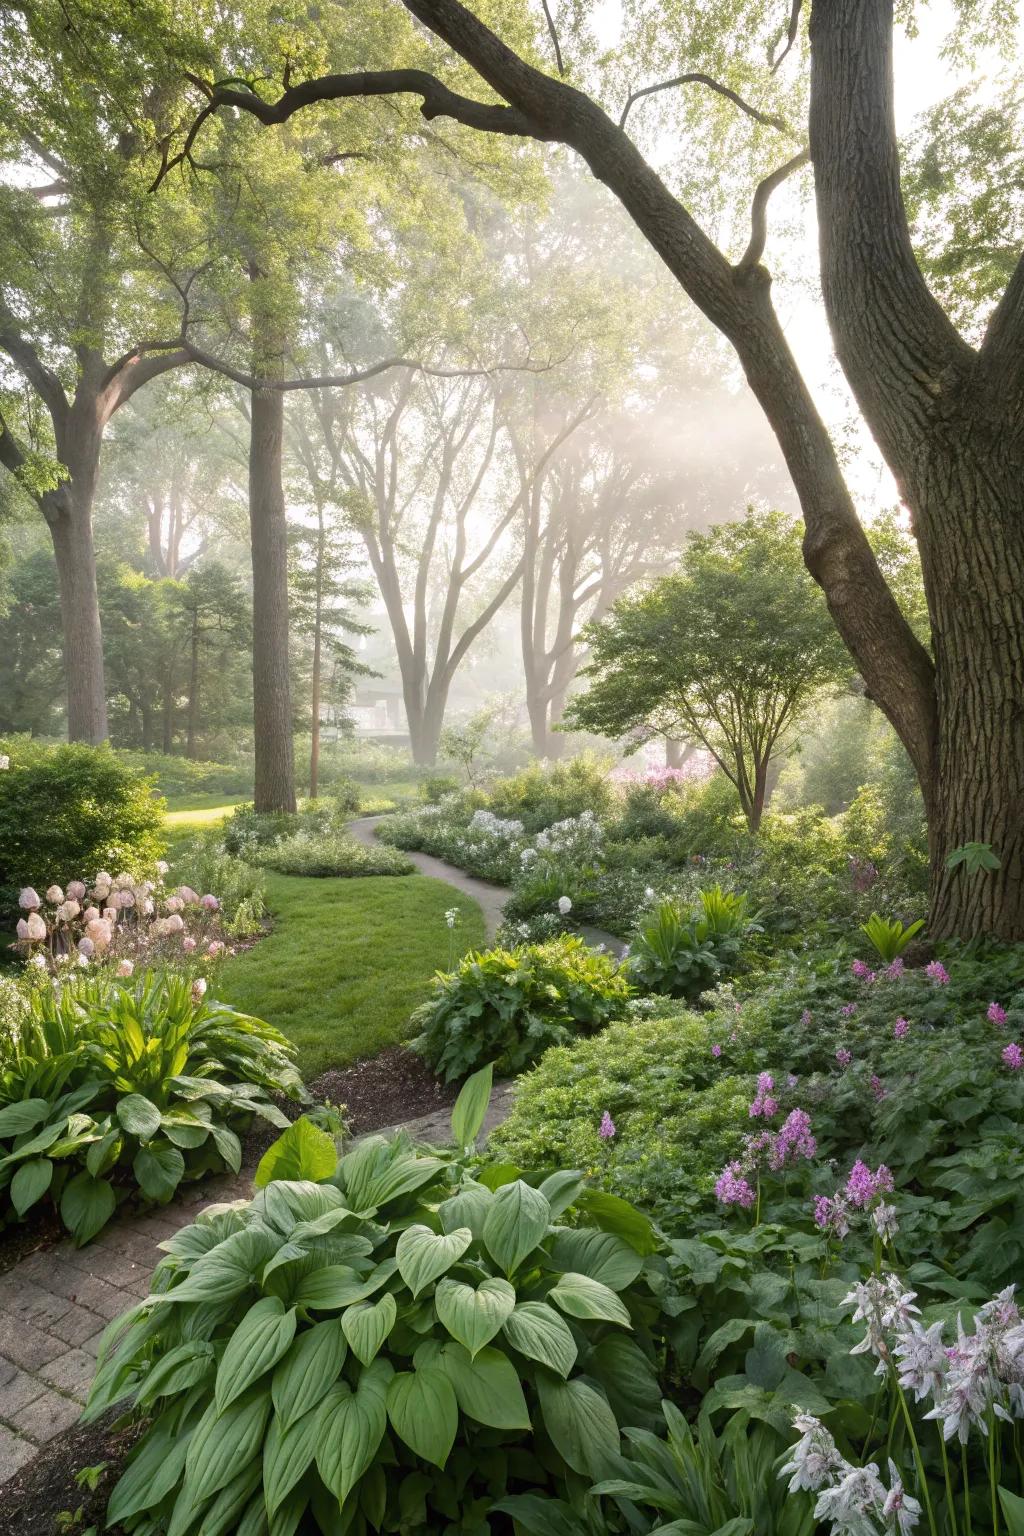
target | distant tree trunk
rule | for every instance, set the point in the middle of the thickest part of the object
(168, 712)
(318, 607)
(424, 709)
(271, 688)
(68, 513)
(192, 728)
(146, 711)
(677, 753)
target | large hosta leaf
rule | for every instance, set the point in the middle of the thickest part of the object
(303, 1152)
(424, 1413)
(581, 1425)
(224, 1443)
(152, 1473)
(23, 1116)
(601, 1255)
(580, 1296)
(86, 1206)
(159, 1169)
(138, 1116)
(537, 1331)
(228, 1269)
(367, 1324)
(311, 1366)
(474, 1316)
(516, 1222)
(261, 1339)
(471, 1106)
(286, 1455)
(30, 1183)
(423, 1256)
(352, 1426)
(487, 1389)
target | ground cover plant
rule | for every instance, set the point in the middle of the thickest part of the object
(384, 1341)
(509, 1006)
(112, 1089)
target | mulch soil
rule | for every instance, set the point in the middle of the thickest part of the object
(46, 1488)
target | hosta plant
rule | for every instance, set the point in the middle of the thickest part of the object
(384, 1343)
(682, 955)
(508, 1006)
(109, 1089)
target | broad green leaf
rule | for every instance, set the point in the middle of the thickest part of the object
(311, 1366)
(149, 1476)
(613, 1214)
(474, 1316)
(261, 1339)
(539, 1515)
(224, 1443)
(424, 1413)
(352, 1426)
(581, 1425)
(138, 1116)
(86, 1206)
(562, 1189)
(180, 1368)
(304, 1151)
(537, 1331)
(103, 1154)
(23, 1116)
(327, 1289)
(286, 1455)
(487, 1389)
(628, 1379)
(367, 1324)
(228, 1145)
(423, 1256)
(224, 1514)
(471, 1106)
(1013, 1512)
(517, 1220)
(30, 1183)
(468, 1208)
(226, 1270)
(159, 1169)
(580, 1296)
(601, 1255)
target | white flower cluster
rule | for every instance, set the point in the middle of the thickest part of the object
(577, 838)
(854, 1498)
(484, 824)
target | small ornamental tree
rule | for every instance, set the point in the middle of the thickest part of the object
(730, 652)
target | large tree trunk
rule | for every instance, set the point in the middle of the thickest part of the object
(68, 513)
(192, 728)
(271, 687)
(425, 715)
(314, 711)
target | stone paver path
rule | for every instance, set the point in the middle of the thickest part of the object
(491, 898)
(55, 1304)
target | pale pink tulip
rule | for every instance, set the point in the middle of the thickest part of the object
(90, 914)
(101, 933)
(188, 895)
(29, 901)
(55, 894)
(36, 928)
(68, 910)
(175, 923)
(198, 990)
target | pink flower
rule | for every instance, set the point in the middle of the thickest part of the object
(731, 1188)
(90, 914)
(862, 971)
(214, 947)
(210, 903)
(862, 1185)
(877, 1087)
(22, 930)
(174, 924)
(188, 895)
(996, 1014)
(87, 948)
(100, 932)
(28, 900)
(1013, 1056)
(125, 967)
(68, 910)
(843, 1056)
(110, 915)
(848, 1010)
(606, 1130)
(901, 1029)
(793, 1141)
(188, 944)
(174, 903)
(805, 1017)
(198, 990)
(55, 895)
(831, 1215)
(36, 928)
(76, 890)
(936, 971)
(894, 970)
(716, 1051)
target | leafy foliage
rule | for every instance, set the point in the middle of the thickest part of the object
(683, 956)
(509, 1006)
(393, 1343)
(333, 852)
(66, 809)
(109, 1089)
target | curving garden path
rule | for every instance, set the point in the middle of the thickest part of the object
(491, 898)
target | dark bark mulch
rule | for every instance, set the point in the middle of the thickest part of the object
(42, 1229)
(45, 1488)
(397, 1085)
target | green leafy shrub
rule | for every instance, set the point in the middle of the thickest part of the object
(539, 796)
(436, 786)
(69, 809)
(108, 1089)
(684, 956)
(182, 776)
(508, 1006)
(677, 1113)
(332, 852)
(204, 864)
(385, 1345)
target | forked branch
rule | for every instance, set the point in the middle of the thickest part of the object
(696, 77)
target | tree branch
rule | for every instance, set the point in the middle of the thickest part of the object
(759, 210)
(766, 119)
(553, 34)
(28, 362)
(791, 34)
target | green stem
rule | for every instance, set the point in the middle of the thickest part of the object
(919, 1463)
(954, 1523)
(992, 1480)
(968, 1523)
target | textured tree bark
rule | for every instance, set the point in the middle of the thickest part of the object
(192, 727)
(68, 514)
(271, 686)
(314, 712)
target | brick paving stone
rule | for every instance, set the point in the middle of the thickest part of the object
(16, 1393)
(27, 1345)
(92, 1346)
(46, 1417)
(96, 1295)
(14, 1453)
(72, 1374)
(77, 1325)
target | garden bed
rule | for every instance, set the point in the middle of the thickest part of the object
(38, 1500)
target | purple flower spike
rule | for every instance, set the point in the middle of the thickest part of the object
(607, 1127)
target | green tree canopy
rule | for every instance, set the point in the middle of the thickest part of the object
(729, 651)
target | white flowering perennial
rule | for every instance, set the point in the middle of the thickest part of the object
(970, 1384)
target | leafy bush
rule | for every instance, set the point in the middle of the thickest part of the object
(109, 1089)
(65, 809)
(436, 786)
(508, 1006)
(387, 1344)
(203, 864)
(332, 852)
(676, 1112)
(683, 956)
(539, 796)
(181, 776)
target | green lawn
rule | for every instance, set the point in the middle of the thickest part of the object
(347, 961)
